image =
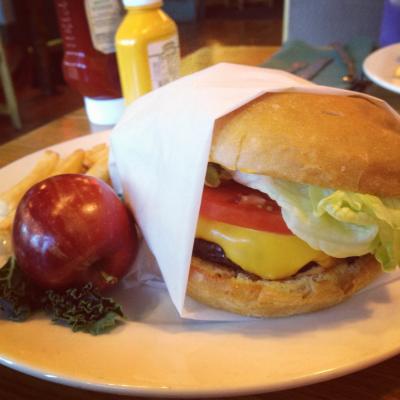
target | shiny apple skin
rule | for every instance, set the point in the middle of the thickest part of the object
(72, 229)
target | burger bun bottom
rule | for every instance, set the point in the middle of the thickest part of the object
(317, 288)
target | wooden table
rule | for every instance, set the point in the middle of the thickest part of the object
(379, 382)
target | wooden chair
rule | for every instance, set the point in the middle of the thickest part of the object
(11, 106)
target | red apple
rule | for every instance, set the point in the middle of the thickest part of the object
(72, 229)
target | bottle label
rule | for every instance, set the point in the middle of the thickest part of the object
(164, 60)
(104, 17)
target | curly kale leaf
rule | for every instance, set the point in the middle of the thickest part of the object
(18, 298)
(83, 309)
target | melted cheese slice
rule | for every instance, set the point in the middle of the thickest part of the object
(268, 255)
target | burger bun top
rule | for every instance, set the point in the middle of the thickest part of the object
(339, 142)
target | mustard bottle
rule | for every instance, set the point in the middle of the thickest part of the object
(147, 47)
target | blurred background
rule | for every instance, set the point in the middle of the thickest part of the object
(34, 51)
(31, 50)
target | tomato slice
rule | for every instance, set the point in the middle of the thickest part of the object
(240, 205)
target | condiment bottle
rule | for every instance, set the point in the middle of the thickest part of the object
(89, 65)
(147, 48)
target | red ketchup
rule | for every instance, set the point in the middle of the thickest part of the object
(87, 28)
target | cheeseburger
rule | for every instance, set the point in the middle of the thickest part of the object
(301, 207)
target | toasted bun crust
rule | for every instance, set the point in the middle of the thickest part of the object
(340, 142)
(223, 288)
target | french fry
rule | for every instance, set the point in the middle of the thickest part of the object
(5, 246)
(72, 164)
(94, 154)
(94, 161)
(100, 169)
(43, 168)
(6, 222)
(3, 209)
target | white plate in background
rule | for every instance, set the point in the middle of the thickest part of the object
(380, 66)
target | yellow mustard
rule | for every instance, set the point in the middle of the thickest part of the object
(266, 254)
(147, 47)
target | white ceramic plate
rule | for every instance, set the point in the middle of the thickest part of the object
(158, 354)
(380, 65)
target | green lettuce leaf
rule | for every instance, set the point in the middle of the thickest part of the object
(340, 223)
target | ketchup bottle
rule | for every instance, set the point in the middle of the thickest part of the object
(87, 28)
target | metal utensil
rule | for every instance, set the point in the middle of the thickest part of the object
(345, 57)
(314, 68)
(357, 82)
(360, 85)
(296, 66)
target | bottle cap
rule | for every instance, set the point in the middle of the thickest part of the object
(138, 3)
(104, 112)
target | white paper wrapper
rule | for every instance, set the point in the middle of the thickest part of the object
(159, 158)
